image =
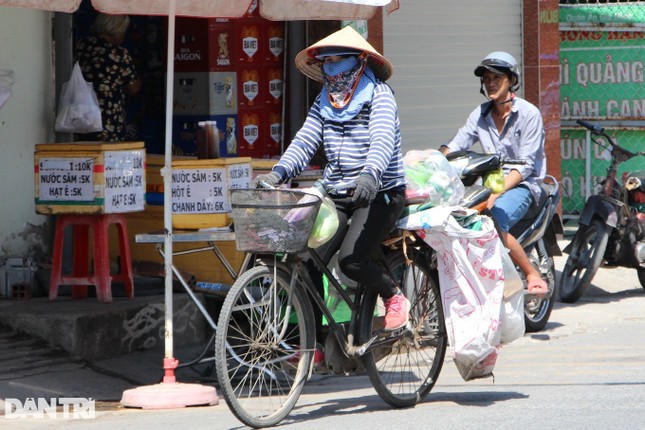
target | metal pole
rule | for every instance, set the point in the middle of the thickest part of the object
(170, 364)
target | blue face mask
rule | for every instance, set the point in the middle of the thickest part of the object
(347, 85)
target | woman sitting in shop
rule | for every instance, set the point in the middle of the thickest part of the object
(110, 68)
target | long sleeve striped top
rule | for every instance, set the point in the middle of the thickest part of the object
(368, 143)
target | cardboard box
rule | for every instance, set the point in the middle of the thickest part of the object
(205, 44)
(274, 86)
(260, 132)
(273, 51)
(252, 87)
(250, 131)
(89, 177)
(205, 93)
(253, 11)
(200, 190)
(220, 44)
(274, 137)
(250, 43)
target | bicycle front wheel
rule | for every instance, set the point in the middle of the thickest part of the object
(587, 252)
(404, 370)
(264, 346)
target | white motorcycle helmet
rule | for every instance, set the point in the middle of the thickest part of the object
(500, 62)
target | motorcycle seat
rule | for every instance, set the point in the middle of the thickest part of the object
(532, 213)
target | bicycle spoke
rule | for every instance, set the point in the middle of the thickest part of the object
(260, 362)
(404, 372)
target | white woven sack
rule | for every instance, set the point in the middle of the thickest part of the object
(471, 278)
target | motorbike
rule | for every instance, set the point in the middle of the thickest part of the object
(536, 232)
(611, 228)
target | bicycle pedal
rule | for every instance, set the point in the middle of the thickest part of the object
(396, 332)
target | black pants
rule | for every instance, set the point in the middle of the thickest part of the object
(357, 241)
(368, 228)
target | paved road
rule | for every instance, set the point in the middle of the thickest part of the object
(584, 371)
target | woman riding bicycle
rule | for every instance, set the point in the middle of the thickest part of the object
(355, 119)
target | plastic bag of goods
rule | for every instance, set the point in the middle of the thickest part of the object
(495, 181)
(430, 174)
(326, 224)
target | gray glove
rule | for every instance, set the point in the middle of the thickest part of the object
(365, 191)
(272, 179)
(320, 186)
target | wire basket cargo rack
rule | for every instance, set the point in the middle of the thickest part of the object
(273, 220)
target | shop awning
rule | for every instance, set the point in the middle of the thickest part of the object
(281, 10)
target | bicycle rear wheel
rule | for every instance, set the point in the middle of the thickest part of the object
(264, 346)
(404, 370)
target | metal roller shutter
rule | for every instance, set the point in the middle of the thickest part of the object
(435, 46)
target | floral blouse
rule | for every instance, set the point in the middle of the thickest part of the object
(111, 69)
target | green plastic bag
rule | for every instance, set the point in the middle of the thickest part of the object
(326, 224)
(495, 181)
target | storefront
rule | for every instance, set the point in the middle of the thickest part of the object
(243, 94)
(432, 44)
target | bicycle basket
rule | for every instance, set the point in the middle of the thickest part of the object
(269, 220)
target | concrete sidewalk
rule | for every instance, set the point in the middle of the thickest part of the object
(85, 349)
(58, 374)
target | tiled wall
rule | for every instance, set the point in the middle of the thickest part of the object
(542, 71)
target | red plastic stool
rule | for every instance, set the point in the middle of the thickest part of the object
(81, 277)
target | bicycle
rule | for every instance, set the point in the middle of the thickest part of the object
(265, 341)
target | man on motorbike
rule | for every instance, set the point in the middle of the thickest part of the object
(512, 127)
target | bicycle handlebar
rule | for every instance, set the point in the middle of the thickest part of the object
(600, 131)
(341, 188)
(512, 161)
(594, 128)
(264, 184)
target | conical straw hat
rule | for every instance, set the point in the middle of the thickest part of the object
(349, 38)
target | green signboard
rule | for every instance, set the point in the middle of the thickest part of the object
(602, 75)
(626, 13)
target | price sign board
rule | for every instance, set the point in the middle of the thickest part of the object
(89, 177)
(124, 181)
(205, 190)
(66, 179)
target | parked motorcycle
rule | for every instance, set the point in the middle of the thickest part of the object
(536, 232)
(611, 228)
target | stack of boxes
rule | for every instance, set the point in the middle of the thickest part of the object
(229, 71)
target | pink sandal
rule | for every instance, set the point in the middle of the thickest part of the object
(538, 284)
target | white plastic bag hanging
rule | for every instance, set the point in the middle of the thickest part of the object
(6, 81)
(512, 325)
(471, 278)
(78, 110)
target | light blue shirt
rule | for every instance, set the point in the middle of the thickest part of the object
(522, 138)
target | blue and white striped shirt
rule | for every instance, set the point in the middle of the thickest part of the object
(368, 143)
